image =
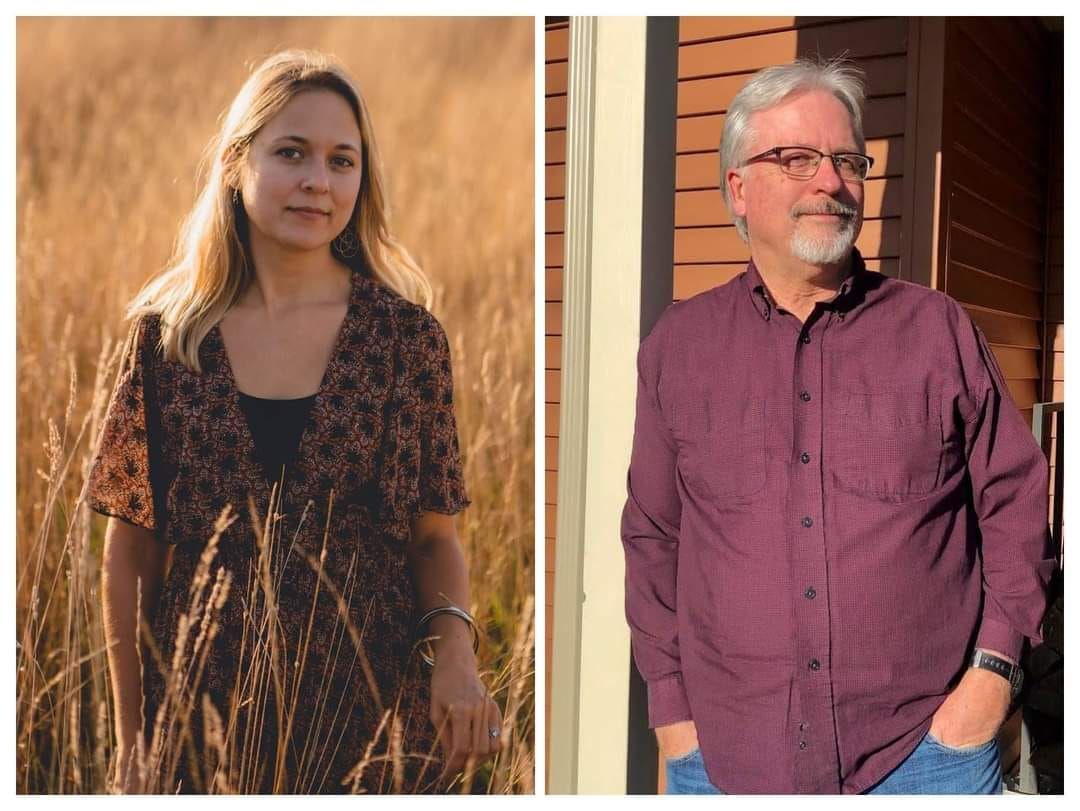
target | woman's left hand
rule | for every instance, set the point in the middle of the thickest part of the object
(461, 709)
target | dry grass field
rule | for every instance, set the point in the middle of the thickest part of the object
(112, 117)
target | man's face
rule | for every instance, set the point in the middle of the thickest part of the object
(785, 216)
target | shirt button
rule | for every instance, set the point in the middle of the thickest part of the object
(805, 458)
(802, 725)
(808, 522)
(804, 396)
(805, 338)
(814, 664)
(810, 593)
(802, 744)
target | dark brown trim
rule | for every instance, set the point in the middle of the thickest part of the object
(657, 257)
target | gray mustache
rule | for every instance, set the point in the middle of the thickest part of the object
(829, 207)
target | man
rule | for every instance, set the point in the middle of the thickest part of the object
(836, 534)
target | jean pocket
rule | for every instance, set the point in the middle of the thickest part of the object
(971, 749)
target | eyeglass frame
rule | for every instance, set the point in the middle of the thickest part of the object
(775, 152)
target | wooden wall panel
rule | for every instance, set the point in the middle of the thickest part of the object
(556, 67)
(716, 57)
(996, 168)
(1054, 329)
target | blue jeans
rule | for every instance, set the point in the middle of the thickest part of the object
(932, 768)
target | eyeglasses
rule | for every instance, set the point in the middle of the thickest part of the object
(802, 162)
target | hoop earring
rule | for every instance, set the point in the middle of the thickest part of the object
(347, 243)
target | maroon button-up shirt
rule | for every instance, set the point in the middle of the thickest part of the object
(824, 519)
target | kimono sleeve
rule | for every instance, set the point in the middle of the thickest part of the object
(119, 482)
(442, 479)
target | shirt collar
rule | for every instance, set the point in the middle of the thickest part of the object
(845, 299)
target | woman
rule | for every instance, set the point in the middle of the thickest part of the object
(280, 464)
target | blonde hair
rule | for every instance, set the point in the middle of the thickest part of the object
(211, 267)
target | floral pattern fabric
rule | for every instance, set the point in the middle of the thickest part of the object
(380, 438)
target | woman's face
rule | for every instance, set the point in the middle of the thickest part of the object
(303, 172)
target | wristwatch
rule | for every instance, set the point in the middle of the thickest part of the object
(1013, 674)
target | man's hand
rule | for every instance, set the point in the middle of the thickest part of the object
(678, 739)
(974, 711)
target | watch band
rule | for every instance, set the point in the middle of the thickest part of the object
(1013, 674)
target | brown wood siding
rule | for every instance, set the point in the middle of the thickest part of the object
(556, 67)
(716, 57)
(995, 189)
(1054, 335)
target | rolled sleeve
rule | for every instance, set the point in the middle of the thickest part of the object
(650, 536)
(1009, 479)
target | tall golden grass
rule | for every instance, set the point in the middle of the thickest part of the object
(112, 115)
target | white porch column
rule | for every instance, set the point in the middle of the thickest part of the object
(601, 332)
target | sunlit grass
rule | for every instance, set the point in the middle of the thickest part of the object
(112, 115)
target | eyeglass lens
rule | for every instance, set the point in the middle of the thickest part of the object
(803, 163)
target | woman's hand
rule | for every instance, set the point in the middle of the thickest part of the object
(463, 713)
(461, 709)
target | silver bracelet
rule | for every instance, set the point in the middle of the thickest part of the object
(425, 641)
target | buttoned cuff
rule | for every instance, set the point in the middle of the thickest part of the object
(667, 701)
(999, 636)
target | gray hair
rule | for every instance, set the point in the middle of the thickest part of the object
(770, 87)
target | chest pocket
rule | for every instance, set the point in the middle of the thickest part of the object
(888, 445)
(722, 448)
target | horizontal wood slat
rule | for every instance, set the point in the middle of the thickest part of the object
(554, 111)
(995, 37)
(857, 39)
(1017, 364)
(555, 181)
(979, 217)
(553, 280)
(999, 185)
(551, 419)
(1025, 394)
(555, 147)
(553, 318)
(968, 129)
(557, 43)
(980, 252)
(555, 75)
(553, 250)
(552, 351)
(1006, 330)
(552, 390)
(972, 54)
(970, 286)
(554, 221)
(694, 29)
(885, 76)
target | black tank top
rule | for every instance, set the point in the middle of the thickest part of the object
(276, 427)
